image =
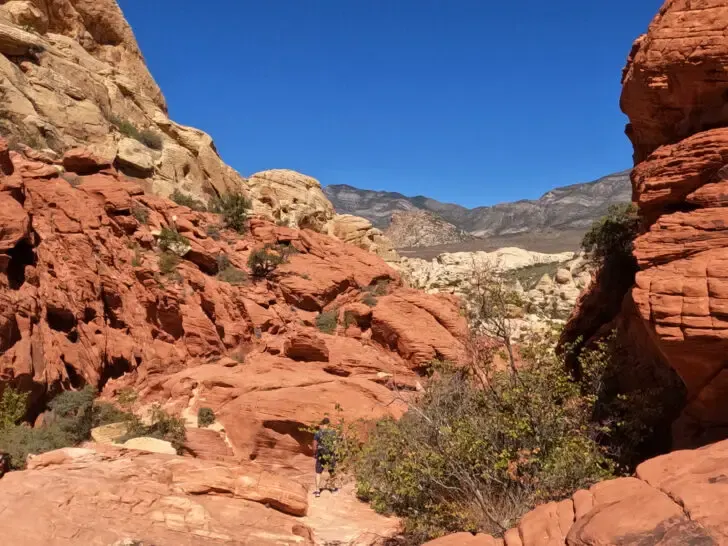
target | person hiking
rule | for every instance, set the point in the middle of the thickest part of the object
(324, 443)
(4, 463)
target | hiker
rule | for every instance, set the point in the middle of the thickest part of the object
(323, 448)
(4, 463)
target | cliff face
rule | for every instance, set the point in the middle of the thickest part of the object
(676, 312)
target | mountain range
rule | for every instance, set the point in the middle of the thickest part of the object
(568, 209)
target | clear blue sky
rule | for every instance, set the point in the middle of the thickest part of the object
(468, 101)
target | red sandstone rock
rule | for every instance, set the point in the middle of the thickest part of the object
(82, 161)
(102, 495)
(307, 347)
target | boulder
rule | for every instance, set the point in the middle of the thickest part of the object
(306, 347)
(134, 158)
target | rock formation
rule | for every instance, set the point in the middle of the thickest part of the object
(675, 313)
(85, 298)
(549, 284)
(421, 228)
(71, 75)
(672, 500)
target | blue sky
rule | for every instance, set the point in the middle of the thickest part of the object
(467, 101)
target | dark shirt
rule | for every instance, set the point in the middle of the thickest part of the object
(324, 441)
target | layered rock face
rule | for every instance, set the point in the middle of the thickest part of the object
(85, 299)
(672, 500)
(421, 228)
(674, 94)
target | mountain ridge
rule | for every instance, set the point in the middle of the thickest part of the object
(572, 207)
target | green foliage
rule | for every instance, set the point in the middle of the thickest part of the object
(151, 139)
(380, 288)
(171, 240)
(188, 201)
(213, 231)
(205, 417)
(483, 445)
(168, 262)
(264, 261)
(126, 397)
(610, 238)
(136, 260)
(327, 321)
(147, 137)
(105, 413)
(140, 213)
(234, 208)
(228, 273)
(68, 424)
(349, 319)
(162, 426)
(13, 405)
(369, 300)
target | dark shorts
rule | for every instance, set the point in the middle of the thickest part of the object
(325, 462)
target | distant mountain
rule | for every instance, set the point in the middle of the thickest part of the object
(569, 208)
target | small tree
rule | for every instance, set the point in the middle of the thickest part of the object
(264, 261)
(234, 208)
(13, 405)
(327, 321)
(205, 417)
(610, 239)
(187, 201)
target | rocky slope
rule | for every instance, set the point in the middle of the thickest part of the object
(419, 228)
(671, 501)
(72, 74)
(562, 209)
(675, 311)
(85, 298)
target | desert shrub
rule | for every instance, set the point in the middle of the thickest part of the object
(349, 319)
(610, 239)
(369, 300)
(151, 139)
(105, 413)
(264, 261)
(168, 262)
(205, 417)
(234, 208)
(69, 424)
(227, 272)
(327, 321)
(140, 213)
(13, 405)
(485, 444)
(162, 426)
(171, 240)
(188, 201)
(380, 288)
(126, 397)
(213, 231)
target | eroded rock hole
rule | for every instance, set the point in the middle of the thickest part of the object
(21, 257)
(9, 333)
(114, 369)
(74, 379)
(60, 320)
(293, 429)
(112, 302)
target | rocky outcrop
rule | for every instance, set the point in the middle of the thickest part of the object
(549, 284)
(672, 500)
(86, 297)
(420, 228)
(675, 312)
(360, 232)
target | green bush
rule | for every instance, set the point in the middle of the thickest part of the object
(610, 239)
(162, 426)
(381, 288)
(125, 127)
(68, 424)
(227, 272)
(234, 208)
(141, 213)
(349, 319)
(168, 262)
(151, 139)
(105, 413)
(263, 261)
(188, 201)
(484, 445)
(205, 417)
(328, 321)
(170, 240)
(369, 300)
(13, 405)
